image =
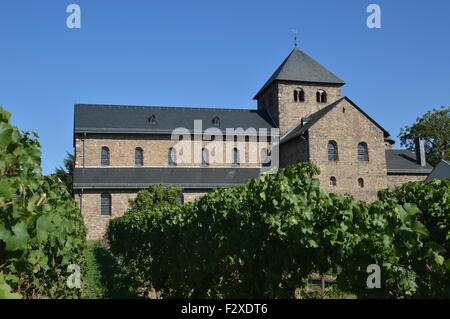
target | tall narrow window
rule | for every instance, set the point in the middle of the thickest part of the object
(301, 96)
(138, 157)
(295, 96)
(105, 204)
(360, 182)
(265, 157)
(321, 96)
(172, 157)
(333, 181)
(104, 156)
(363, 154)
(205, 157)
(332, 151)
(180, 198)
(235, 157)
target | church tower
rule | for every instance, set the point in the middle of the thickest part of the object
(298, 88)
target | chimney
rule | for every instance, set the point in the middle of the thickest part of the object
(420, 151)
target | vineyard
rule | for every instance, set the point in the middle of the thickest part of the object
(260, 240)
(264, 239)
(41, 228)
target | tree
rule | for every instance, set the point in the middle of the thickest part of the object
(434, 128)
(65, 174)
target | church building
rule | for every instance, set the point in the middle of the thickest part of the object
(301, 116)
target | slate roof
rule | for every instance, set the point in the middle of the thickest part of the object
(142, 177)
(441, 171)
(299, 66)
(94, 118)
(309, 121)
(404, 162)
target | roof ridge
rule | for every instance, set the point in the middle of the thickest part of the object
(167, 107)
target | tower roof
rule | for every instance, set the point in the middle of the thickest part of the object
(299, 66)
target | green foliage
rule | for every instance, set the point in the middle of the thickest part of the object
(65, 174)
(434, 127)
(41, 227)
(127, 232)
(264, 239)
(248, 241)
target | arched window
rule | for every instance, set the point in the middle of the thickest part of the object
(104, 160)
(180, 198)
(235, 157)
(265, 157)
(360, 182)
(363, 154)
(332, 151)
(295, 96)
(216, 121)
(138, 157)
(333, 181)
(172, 157)
(321, 96)
(205, 157)
(105, 204)
(301, 95)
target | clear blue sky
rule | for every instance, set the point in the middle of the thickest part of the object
(213, 54)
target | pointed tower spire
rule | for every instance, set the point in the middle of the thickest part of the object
(300, 67)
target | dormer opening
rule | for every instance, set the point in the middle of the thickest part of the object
(152, 119)
(216, 121)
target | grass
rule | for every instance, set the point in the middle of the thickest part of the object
(103, 277)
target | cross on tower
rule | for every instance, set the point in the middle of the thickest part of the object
(295, 32)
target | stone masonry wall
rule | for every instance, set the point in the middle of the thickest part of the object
(97, 224)
(292, 112)
(348, 128)
(156, 147)
(293, 151)
(285, 111)
(396, 180)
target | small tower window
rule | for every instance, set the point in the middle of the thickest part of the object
(172, 157)
(360, 182)
(333, 181)
(332, 151)
(265, 157)
(299, 95)
(152, 119)
(105, 204)
(235, 157)
(205, 157)
(216, 121)
(180, 198)
(138, 157)
(321, 96)
(363, 155)
(104, 160)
